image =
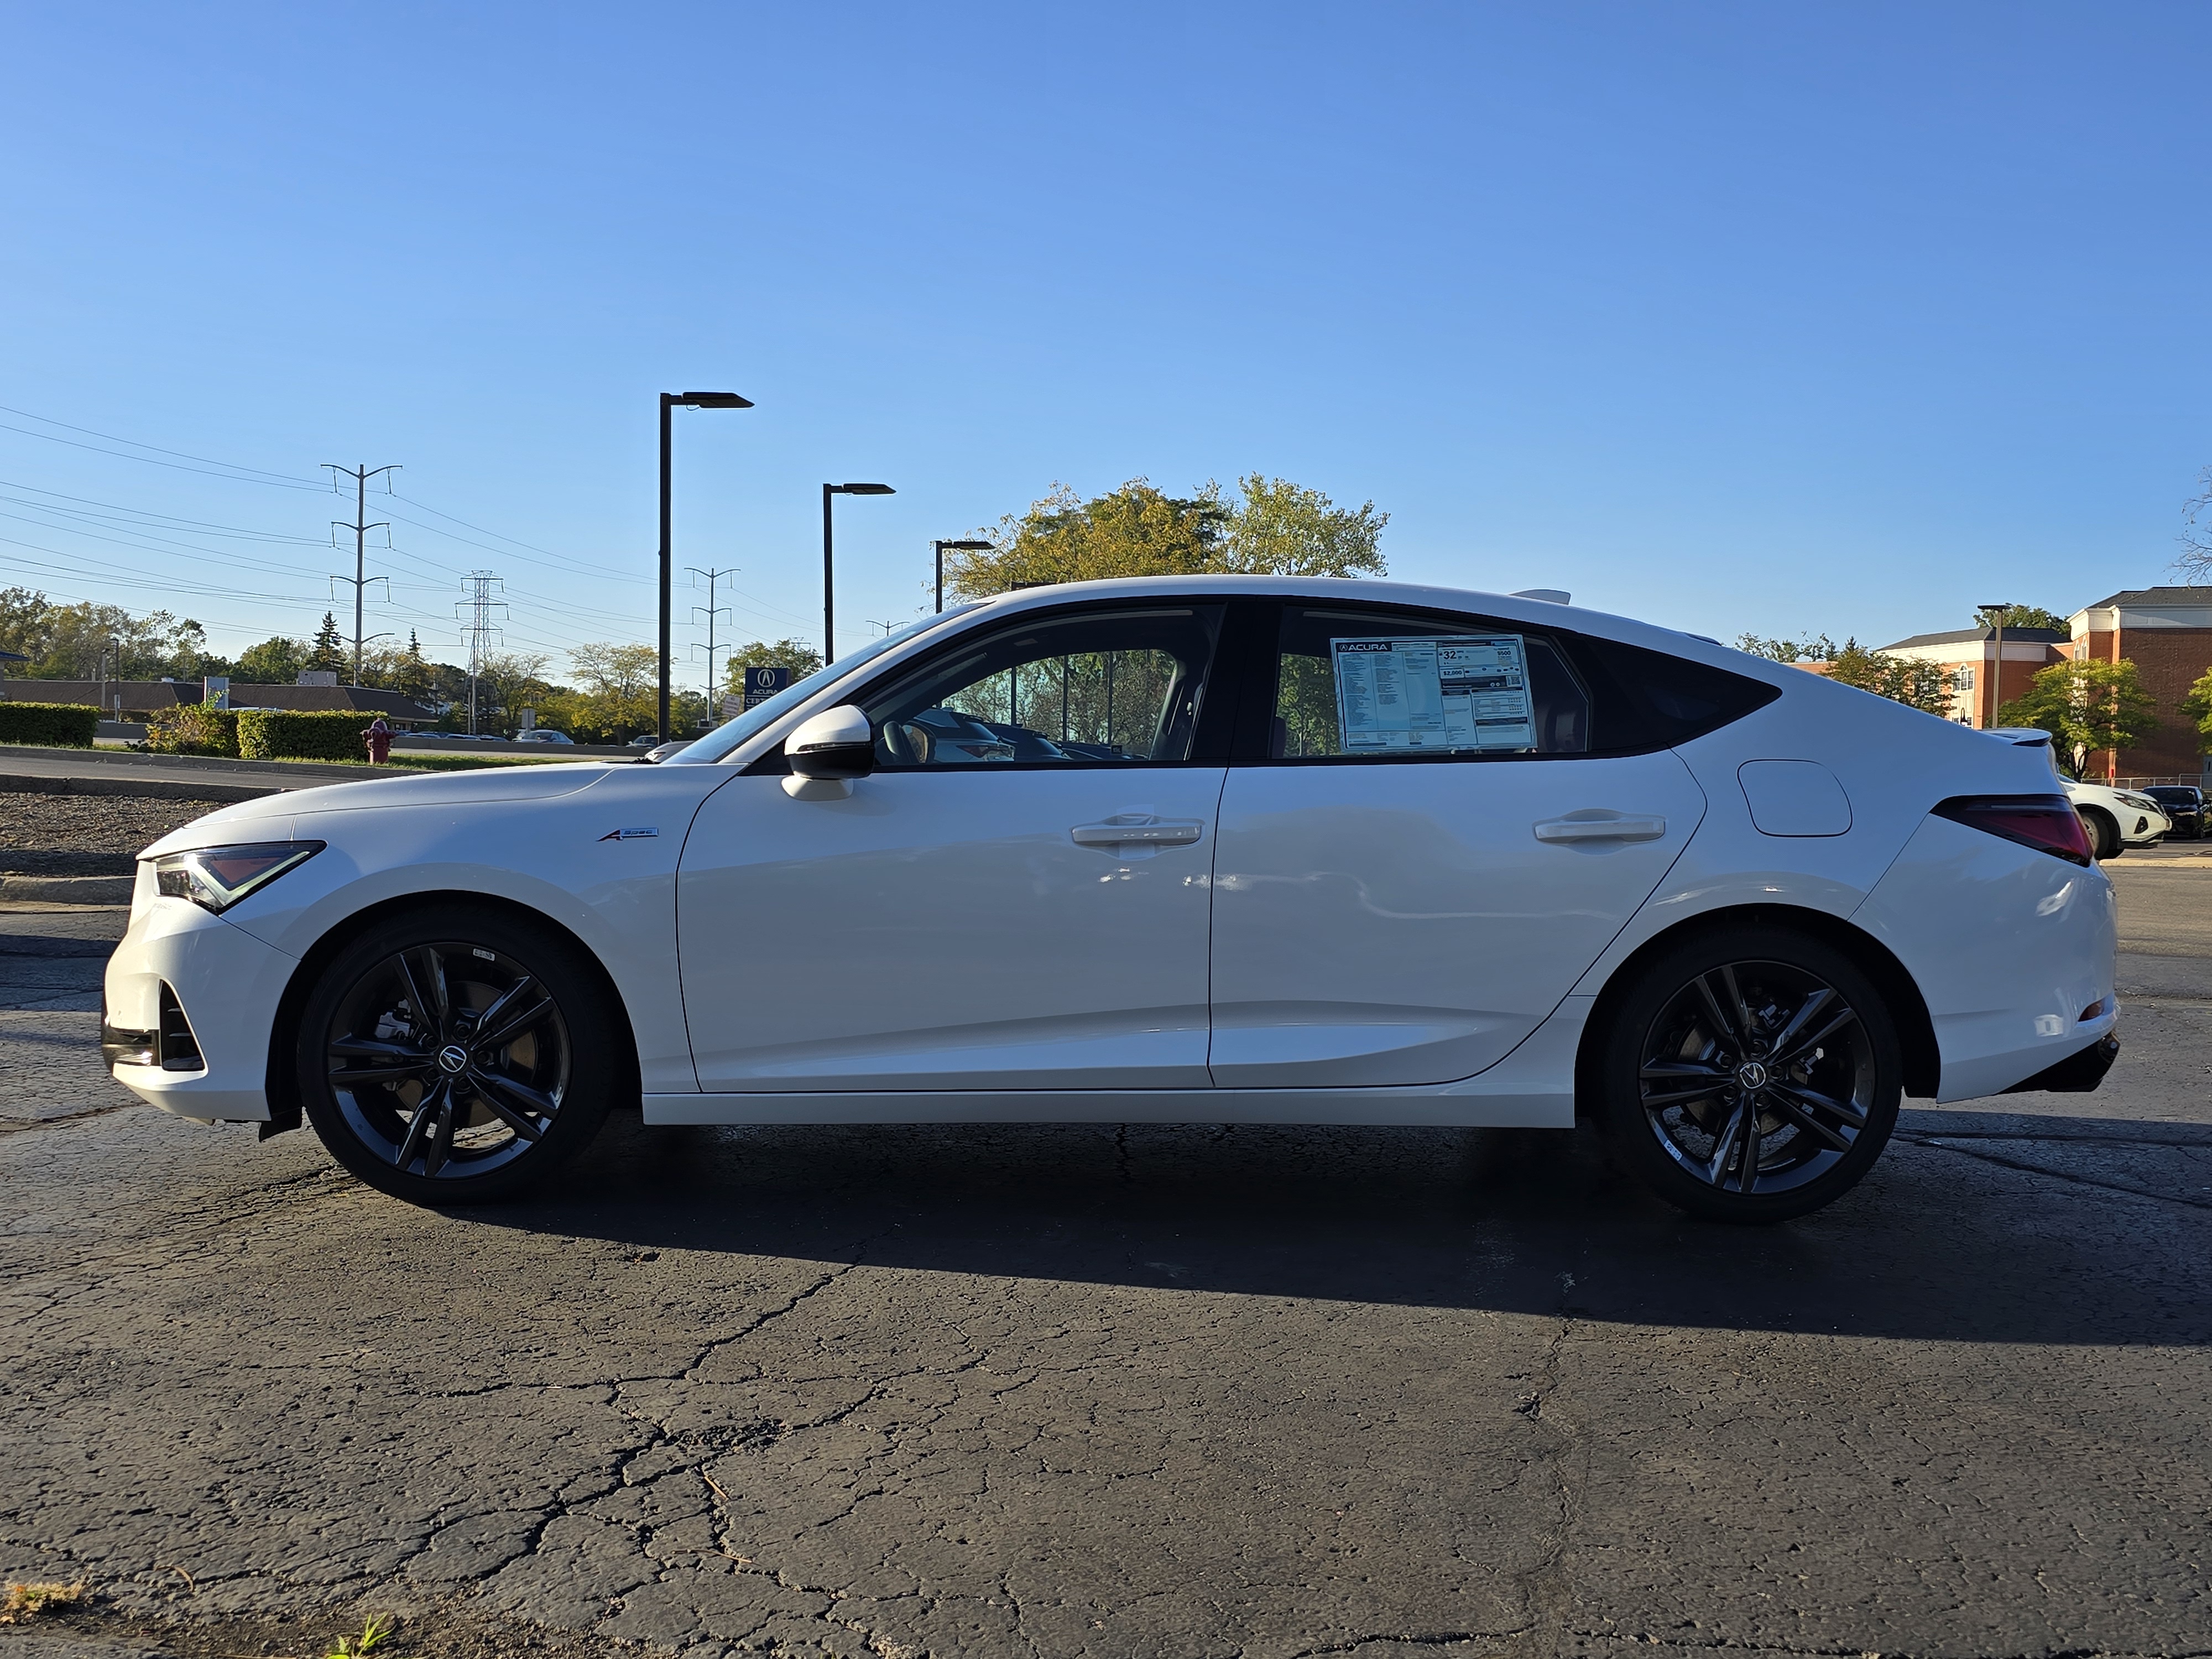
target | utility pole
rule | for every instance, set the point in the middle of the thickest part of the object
(476, 610)
(713, 610)
(361, 527)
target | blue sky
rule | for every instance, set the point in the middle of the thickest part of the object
(1731, 316)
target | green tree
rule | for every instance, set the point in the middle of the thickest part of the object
(618, 697)
(1138, 530)
(2085, 707)
(1814, 648)
(2026, 616)
(1134, 531)
(1923, 685)
(327, 652)
(78, 641)
(412, 678)
(800, 658)
(2198, 707)
(1283, 529)
(273, 662)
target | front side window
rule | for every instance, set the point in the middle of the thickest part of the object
(1383, 685)
(1096, 688)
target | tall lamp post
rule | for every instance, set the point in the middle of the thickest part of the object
(672, 400)
(828, 573)
(1995, 616)
(957, 547)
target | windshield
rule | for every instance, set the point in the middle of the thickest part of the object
(726, 738)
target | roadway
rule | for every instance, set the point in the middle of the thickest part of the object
(1089, 1391)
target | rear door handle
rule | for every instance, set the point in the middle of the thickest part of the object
(1601, 826)
(1129, 829)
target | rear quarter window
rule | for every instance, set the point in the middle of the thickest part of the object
(1644, 699)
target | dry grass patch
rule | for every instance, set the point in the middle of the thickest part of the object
(20, 1603)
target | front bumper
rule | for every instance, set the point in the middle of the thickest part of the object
(223, 986)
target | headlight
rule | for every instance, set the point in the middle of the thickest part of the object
(217, 878)
(2140, 803)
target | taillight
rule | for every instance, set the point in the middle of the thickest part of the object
(2049, 823)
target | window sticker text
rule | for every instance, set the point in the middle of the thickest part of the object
(1464, 691)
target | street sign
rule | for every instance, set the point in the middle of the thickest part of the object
(761, 683)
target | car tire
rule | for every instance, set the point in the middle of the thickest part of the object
(505, 1071)
(2103, 833)
(1750, 1074)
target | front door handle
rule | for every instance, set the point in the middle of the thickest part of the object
(1598, 825)
(1130, 829)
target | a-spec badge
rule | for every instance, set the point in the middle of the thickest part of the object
(629, 834)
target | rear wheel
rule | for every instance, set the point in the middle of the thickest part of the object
(1751, 1075)
(456, 1057)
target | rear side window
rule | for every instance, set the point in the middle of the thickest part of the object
(1651, 700)
(1385, 684)
(1381, 684)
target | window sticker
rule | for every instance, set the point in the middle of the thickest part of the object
(1458, 691)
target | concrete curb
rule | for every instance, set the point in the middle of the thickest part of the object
(66, 890)
(195, 765)
(37, 783)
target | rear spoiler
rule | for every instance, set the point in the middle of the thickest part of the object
(2025, 737)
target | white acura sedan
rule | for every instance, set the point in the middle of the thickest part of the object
(1300, 852)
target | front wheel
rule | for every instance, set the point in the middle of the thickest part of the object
(2104, 833)
(1751, 1075)
(456, 1057)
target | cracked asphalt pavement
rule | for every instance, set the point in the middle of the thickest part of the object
(1088, 1391)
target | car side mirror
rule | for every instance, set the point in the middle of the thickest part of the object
(827, 752)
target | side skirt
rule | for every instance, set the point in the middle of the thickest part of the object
(1532, 1088)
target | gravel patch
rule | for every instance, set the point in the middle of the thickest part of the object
(112, 825)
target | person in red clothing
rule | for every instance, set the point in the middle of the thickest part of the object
(378, 737)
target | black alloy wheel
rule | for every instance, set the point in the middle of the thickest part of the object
(1752, 1075)
(455, 1058)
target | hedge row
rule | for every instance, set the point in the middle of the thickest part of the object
(193, 728)
(60, 724)
(273, 734)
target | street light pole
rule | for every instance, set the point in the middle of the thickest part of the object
(957, 547)
(1994, 615)
(669, 400)
(828, 561)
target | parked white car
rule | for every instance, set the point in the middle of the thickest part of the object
(2117, 818)
(1304, 851)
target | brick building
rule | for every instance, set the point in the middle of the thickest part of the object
(1979, 684)
(2166, 632)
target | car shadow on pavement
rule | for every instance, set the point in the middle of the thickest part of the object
(1943, 1241)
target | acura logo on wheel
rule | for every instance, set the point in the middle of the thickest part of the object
(452, 1060)
(1751, 1075)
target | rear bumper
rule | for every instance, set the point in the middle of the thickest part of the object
(2078, 1073)
(2014, 951)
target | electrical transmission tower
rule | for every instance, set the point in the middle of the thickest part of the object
(361, 527)
(713, 612)
(481, 631)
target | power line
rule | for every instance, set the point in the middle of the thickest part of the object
(48, 420)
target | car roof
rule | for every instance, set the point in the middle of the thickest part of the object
(1363, 590)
